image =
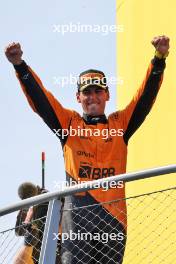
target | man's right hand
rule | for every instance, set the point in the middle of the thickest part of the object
(14, 53)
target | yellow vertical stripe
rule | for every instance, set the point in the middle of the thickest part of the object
(154, 144)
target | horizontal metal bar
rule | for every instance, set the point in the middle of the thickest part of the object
(90, 185)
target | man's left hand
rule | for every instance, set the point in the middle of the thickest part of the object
(161, 44)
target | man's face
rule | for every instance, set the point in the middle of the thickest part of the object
(93, 100)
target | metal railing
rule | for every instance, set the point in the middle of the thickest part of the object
(150, 235)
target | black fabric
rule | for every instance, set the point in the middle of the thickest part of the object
(31, 236)
(94, 219)
(91, 71)
(19, 228)
(145, 103)
(93, 120)
(81, 82)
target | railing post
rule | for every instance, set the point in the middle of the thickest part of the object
(49, 244)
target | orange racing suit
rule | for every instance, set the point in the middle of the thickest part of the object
(90, 157)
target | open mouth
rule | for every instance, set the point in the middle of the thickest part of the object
(93, 104)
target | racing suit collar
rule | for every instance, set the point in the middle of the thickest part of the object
(93, 120)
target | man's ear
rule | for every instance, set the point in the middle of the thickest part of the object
(78, 97)
(108, 95)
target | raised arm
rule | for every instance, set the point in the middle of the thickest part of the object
(139, 107)
(41, 100)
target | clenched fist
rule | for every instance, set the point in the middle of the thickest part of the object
(161, 44)
(14, 53)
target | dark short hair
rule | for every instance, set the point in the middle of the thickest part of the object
(27, 190)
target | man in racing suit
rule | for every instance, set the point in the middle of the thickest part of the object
(90, 157)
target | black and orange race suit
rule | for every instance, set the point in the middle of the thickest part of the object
(92, 157)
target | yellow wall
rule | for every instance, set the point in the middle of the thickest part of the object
(154, 144)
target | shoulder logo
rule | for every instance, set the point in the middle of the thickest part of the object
(25, 77)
